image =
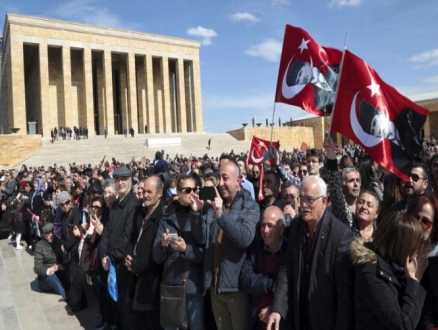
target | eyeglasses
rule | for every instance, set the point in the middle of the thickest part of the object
(309, 200)
(415, 177)
(314, 161)
(188, 190)
(65, 203)
(425, 222)
(302, 172)
(96, 207)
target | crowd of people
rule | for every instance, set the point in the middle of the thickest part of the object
(328, 239)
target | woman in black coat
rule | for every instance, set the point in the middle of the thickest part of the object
(387, 292)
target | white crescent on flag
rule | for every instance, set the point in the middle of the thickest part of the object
(290, 91)
(256, 160)
(366, 139)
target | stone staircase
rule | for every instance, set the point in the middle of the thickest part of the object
(91, 151)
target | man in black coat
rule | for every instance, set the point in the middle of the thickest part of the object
(116, 237)
(261, 266)
(314, 288)
(144, 294)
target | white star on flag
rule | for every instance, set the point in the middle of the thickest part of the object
(261, 144)
(375, 88)
(303, 45)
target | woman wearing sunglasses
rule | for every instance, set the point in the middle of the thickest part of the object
(425, 209)
(174, 246)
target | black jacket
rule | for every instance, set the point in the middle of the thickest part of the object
(429, 318)
(381, 300)
(145, 288)
(118, 230)
(330, 293)
(253, 279)
(68, 221)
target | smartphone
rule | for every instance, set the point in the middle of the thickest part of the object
(173, 236)
(91, 212)
(207, 193)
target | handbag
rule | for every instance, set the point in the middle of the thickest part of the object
(173, 310)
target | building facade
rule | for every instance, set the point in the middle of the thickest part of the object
(63, 74)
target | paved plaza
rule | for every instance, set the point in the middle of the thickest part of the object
(23, 307)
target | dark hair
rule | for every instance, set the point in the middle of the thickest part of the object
(415, 206)
(181, 178)
(397, 237)
(315, 153)
(366, 172)
(275, 175)
(372, 193)
(345, 162)
(417, 164)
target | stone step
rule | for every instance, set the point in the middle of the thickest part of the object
(92, 150)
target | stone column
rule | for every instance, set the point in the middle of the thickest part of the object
(181, 93)
(150, 105)
(124, 95)
(109, 104)
(45, 122)
(66, 76)
(89, 101)
(166, 95)
(141, 91)
(132, 93)
(197, 97)
(17, 111)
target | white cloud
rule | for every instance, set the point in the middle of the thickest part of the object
(202, 33)
(348, 3)
(430, 80)
(269, 49)
(91, 12)
(280, 2)
(238, 17)
(427, 58)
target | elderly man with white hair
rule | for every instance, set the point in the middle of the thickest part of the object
(314, 287)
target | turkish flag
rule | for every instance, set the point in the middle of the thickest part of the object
(256, 151)
(257, 148)
(308, 73)
(376, 115)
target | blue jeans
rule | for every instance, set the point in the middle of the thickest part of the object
(54, 283)
(195, 312)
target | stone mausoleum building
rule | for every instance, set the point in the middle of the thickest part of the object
(58, 74)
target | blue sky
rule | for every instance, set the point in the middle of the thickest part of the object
(242, 40)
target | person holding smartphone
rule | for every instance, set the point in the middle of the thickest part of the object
(175, 247)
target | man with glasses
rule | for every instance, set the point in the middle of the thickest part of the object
(417, 185)
(314, 161)
(116, 236)
(314, 287)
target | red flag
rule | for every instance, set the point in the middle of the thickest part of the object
(255, 157)
(376, 115)
(308, 73)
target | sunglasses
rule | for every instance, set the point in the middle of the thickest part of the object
(302, 171)
(96, 207)
(188, 190)
(425, 222)
(65, 203)
(415, 177)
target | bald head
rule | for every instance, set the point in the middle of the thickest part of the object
(272, 227)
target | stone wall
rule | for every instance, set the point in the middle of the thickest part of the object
(431, 125)
(16, 148)
(289, 137)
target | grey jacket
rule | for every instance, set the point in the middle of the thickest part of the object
(44, 257)
(239, 226)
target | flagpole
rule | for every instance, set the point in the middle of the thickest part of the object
(272, 123)
(340, 74)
